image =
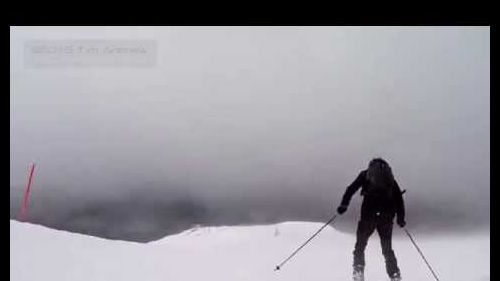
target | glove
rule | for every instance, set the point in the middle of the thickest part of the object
(401, 222)
(341, 209)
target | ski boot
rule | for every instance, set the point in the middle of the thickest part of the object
(358, 274)
(396, 277)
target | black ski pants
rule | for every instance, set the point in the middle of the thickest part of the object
(366, 226)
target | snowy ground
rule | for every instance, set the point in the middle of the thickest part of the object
(234, 254)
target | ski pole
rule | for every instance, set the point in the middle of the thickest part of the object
(24, 204)
(421, 254)
(298, 249)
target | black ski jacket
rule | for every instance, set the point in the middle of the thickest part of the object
(372, 204)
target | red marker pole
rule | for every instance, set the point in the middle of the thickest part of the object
(24, 205)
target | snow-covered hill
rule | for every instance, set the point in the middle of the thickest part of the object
(235, 253)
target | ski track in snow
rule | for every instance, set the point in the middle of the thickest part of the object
(237, 253)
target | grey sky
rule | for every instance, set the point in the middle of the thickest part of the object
(260, 112)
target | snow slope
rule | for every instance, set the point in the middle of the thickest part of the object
(235, 253)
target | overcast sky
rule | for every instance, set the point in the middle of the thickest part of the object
(259, 112)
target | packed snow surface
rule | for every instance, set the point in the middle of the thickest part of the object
(237, 253)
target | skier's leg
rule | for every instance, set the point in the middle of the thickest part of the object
(384, 229)
(365, 229)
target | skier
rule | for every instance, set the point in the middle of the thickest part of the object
(382, 201)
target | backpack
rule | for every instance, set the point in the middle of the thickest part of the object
(379, 180)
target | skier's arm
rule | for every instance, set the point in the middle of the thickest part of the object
(352, 188)
(400, 206)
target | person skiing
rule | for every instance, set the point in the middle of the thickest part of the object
(382, 201)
